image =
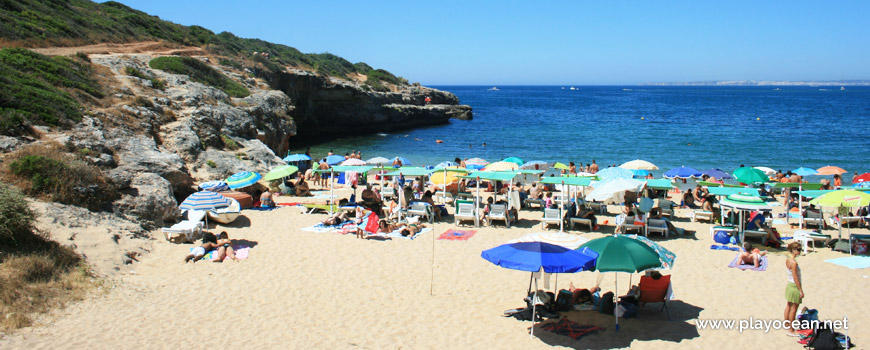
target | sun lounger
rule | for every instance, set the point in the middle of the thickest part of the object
(846, 221)
(698, 215)
(657, 225)
(465, 210)
(499, 212)
(582, 221)
(655, 291)
(190, 228)
(538, 202)
(551, 217)
(629, 223)
(314, 208)
(753, 233)
(813, 218)
(809, 238)
(422, 209)
(388, 192)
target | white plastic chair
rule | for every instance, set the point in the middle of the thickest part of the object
(657, 225)
(551, 217)
(465, 210)
(499, 212)
(422, 209)
(190, 228)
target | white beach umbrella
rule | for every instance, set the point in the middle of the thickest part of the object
(639, 165)
(613, 192)
(767, 171)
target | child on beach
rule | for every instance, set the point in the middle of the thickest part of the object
(751, 256)
(209, 243)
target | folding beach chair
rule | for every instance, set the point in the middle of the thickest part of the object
(583, 221)
(655, 291)
(657, 225)
(422, 209)
(465, 210)
(188, 229)
(551, 217)
(499, 212)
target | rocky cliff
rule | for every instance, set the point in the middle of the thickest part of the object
(155, 144)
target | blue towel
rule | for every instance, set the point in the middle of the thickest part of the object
(723, 247)
(852, 262)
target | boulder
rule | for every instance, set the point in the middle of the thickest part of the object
(149, 200)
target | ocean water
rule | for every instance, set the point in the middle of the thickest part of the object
(701, 127)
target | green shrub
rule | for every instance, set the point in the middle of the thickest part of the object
(155, 83)
(231, 63)
(229, 143)
(31, 88)
(62, 177)
(200, 72)
(210, 163)
(16, 217)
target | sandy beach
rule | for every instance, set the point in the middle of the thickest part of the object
(301, 289)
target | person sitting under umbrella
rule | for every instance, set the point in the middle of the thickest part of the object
(266, 199)
(688, 200)
(756, 222)
(302, 189)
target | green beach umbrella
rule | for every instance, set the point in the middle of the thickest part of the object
(516, 160)
(749, 175)
(620, 253)
(559, 165)
(280, 172)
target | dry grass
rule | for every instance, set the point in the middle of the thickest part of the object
(38, 282)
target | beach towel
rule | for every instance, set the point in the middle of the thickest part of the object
(571, 329)
(396, 234)
(852, 262)
(262, 209)
(288, 204)
(723, 247)
(241, 253)
(457, 235)
(778, 222)
(320, 227)
(762, 266)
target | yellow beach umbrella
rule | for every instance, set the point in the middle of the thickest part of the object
(442, 177)
(559, 165)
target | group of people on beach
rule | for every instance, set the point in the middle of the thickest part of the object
(210, 242)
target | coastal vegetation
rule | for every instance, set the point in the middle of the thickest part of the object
(155, 83)
(50, 172)
(32, 23)
(36, 273)
(37, 89)
(200, 72)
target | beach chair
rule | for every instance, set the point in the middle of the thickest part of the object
(753, 233)
(388, 192)
(583, 221)
(655, 291)
(188, 229)
(846, 221)
(538, 202)
(630, 223)
(657, 225)
(814, 218)
(499, 212)
(601, 207)
(422, 209)
(465, 210)
(551, 217)
(808, 239)
(314, 208)
(699, 215)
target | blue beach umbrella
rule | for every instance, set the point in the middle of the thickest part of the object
(515, 160)
(614, 173)
(204, 200)
(296, 158)
(682, 172)
(214, 186)
(243, 179)
(537, 256)
(640, 172)
(717, 173)
(804, 171)
(335, 159)
(405, 161)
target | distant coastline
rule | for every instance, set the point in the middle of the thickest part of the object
(765, 83)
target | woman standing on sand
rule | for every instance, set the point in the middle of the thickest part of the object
(794, 291)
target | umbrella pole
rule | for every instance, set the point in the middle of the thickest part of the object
(561, 207)
(444, 189)
(331, 192)
(534, 309)
(800, 208)
(615, 304)
(477, 202)
(432, 278)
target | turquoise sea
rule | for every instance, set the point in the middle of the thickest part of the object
(701, 127)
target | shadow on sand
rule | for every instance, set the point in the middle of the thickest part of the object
(650, 324)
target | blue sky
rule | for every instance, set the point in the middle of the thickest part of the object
(558, 42)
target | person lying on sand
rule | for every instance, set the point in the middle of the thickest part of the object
(225, 248)
(335, 219)
(751, 256)
(584, 295)
(411, 230)
(209, 243)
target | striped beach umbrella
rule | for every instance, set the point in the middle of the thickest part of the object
(476, 163)
(501, 166)
(214, 186)
(563, 239)
(243, 179)
(204, 200)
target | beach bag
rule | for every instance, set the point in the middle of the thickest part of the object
(722, 237)
(563, 300)
(606, 305)
(772, 243)
(372, 223)
(823, 339)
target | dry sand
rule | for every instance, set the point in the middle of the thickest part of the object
(323, 290)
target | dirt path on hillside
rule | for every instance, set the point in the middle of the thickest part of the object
(144, 47)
